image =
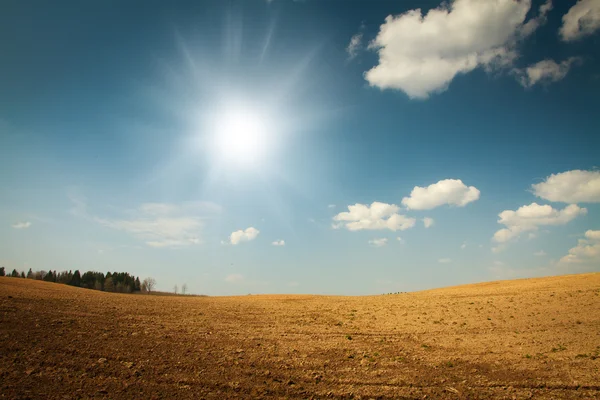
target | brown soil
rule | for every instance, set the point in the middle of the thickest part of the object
(534, 338)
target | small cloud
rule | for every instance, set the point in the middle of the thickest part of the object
(545, 71)
(231, 278)
(402, 241)
(531, 217)
(540, 253)
(463, 246)
(378, 242)
(574, 186)
(444, 260)
(245, 235)
(331, 206)
(531, 235)
(452, 192)
(278, 243)
(377, 216)
(21, 225)
(498, 263)
(428, 222)
(354, 46)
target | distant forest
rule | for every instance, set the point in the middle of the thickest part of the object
(120, 282)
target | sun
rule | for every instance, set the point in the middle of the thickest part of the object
(241, 136)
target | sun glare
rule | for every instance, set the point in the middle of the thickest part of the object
(241, 137)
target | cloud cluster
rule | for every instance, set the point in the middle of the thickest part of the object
(161, 225)
(245, 235)
(21, 225)
(581, 20)
(377, 216)
(586, 251)
(448, 191)
(545, 71)
(574, 186)
(278, 243)
(531, 217)
(378, 242)
(421, 54)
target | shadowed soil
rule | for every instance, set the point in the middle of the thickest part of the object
(533, 338)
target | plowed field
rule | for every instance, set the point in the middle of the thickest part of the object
(534, 338)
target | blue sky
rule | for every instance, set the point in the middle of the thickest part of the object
(287, 146)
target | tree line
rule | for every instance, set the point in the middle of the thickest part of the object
(120, 282)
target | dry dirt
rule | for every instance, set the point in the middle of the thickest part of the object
(535, 338)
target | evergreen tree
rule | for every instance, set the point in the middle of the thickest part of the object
(2, 273)
(23, 274)
(30, 274)
(48, 277)
(14, 274)
(76, 279)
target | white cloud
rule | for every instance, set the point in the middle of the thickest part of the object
(428, 222)
(545, 71)
(331, 206)
(278, 243)
(378, 242)
(463, 246)
(448, 191)
(402, 241)
(531, 235)
(160, 225)
(574, 186)
(377, 216)
(21, 225)
(421, 54)
(231, 278)
(540, 253)
(581, 20)
(354, 46)
(243, 235)
(531, 217)
(587, 250)
(444, 260)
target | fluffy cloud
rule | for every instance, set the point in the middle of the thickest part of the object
(463, 246)
(448, 191)
(545, 71)
(354, 45)
(21, 225)
(421, 54)
(444, 260)
(531, 217)
(586, 251)
(581, 20)
(243, 235)
(278, 243)
(570, 187)
(378, 242)
(428, 222)
(377, 216)
(231, 278)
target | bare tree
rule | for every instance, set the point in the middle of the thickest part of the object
(184, 288)
(148, 284)
(175, 289)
